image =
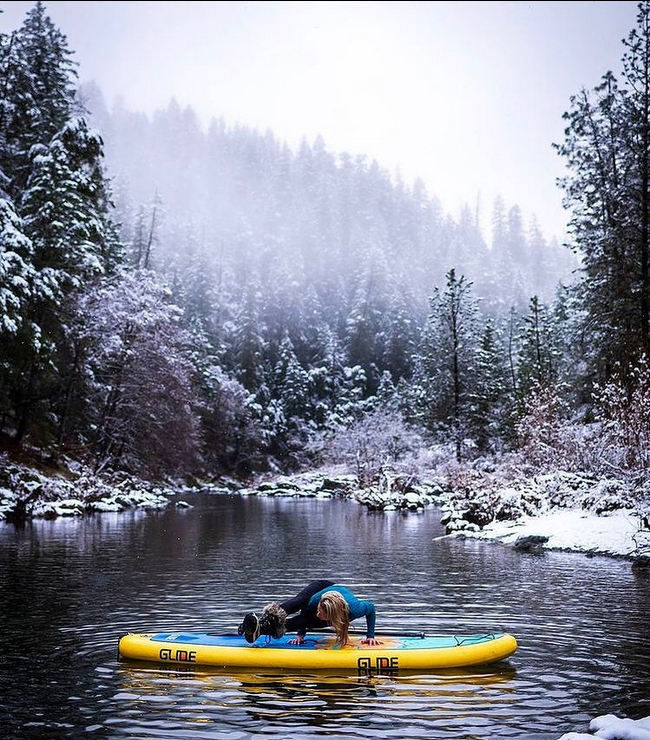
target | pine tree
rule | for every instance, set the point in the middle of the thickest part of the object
(20, 337)
(65, 209)
(37, 93)
(18, 115)
(537, 358)
(291, 382)
(363, 325)
(447, 361)
(398, 337)
(491, 401)
(53, 173)
(607, 152)
(16, 271)
(249, 345)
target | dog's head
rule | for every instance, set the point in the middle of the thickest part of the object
(272, 621)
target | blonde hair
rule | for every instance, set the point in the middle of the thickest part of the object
(337, 614)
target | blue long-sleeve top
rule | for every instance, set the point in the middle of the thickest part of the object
(357, 607)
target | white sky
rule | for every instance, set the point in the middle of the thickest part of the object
(467, 95)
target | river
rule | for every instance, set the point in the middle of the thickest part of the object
(70, 587)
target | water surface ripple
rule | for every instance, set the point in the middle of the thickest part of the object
(69, 588)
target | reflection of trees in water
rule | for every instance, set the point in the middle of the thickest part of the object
(248, 700)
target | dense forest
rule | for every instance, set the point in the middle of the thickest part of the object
(180, 300)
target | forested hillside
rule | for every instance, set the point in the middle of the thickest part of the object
(210, 300)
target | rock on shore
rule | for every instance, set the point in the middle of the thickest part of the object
(392, 492)
(72, 490)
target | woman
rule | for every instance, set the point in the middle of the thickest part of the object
(320, 604)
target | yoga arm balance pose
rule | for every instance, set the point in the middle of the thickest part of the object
(319, 604)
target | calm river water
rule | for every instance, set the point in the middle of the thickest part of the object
(69, 588)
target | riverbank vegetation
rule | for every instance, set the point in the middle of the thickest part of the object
(209, 302)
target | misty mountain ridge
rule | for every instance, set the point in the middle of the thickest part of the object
(252, 207)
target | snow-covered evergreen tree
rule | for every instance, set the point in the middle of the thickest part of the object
(248, 342)
(537, 358)
(65, 209)
(16, 270)
(607, 151)
(492, 403)
(446, 378)
(37, 94)
(291, 383)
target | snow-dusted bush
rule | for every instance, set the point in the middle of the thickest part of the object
(379, 437)
(624, 407)
(139, 409)
(549, 439)
(543, 431)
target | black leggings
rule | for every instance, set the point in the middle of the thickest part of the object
(301, 622)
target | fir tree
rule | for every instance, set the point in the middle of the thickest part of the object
(291, 382)
(447, 360)
(491, 402)
(16, 271)
(248, 342)
(37, 92)
(607, 151)
(65, 209)
(537, 358)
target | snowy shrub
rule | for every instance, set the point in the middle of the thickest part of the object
(624, 408)
(377, 438)
(139, 409)
(471, 499)
(608, 495)
(546, 437)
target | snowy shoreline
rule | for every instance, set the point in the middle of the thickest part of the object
(580, 515)
(615, 534)
(72, 489)
(561, 512)
(611, 727)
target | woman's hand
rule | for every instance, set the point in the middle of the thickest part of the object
(297, 640)
(371, 641)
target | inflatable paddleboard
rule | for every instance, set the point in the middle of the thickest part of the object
(319, 651)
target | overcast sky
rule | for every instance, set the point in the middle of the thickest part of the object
(467, 95)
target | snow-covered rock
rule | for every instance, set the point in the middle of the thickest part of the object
(573, 530)
(392, 492)
(530, 542)
(611, 727)
(73, 491)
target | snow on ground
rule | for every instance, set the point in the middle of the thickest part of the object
(72, 490)
(611, 727)
(617, 533)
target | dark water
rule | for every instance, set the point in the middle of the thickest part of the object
(69, 588)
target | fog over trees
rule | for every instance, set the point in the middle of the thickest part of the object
(242, 303)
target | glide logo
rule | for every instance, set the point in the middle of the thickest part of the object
(178, 656)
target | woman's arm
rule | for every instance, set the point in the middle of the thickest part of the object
(371, 616)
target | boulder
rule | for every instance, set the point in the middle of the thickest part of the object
(641, 562)
(530, 543)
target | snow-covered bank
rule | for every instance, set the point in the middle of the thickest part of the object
(618, 533)
(559, 511)
(71, 490)
(392, 492)
(611, 727)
